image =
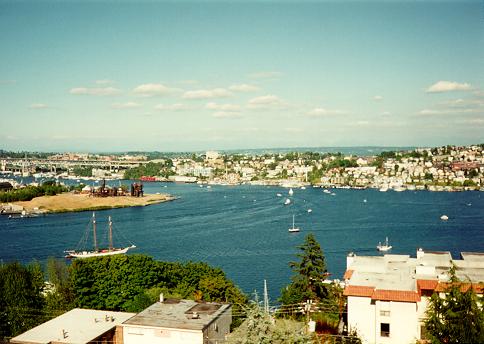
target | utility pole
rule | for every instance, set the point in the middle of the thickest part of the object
(266, 298)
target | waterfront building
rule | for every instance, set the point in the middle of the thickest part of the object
(78, 326)
(388, 295)
(179, 322)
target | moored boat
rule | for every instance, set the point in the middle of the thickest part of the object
(384, 247)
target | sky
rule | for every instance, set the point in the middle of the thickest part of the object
(200, 75)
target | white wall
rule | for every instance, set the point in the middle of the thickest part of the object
(361, 317)
(365, 318)
(147, 335)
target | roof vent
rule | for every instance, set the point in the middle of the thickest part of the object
(162, 298)
(195, 315)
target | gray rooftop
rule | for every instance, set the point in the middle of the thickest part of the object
(76, 326)
(400, 272)
(182, 314)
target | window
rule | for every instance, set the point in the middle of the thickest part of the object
(384, 330)
(385, 313)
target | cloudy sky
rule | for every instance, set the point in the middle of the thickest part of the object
(171, 76)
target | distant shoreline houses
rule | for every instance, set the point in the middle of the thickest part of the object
(447, 168)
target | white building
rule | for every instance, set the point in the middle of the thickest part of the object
(179, 322)
(78, 326)
(388, 296)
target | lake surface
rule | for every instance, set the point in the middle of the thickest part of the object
(244, 229)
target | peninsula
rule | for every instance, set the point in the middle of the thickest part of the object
(71, 202)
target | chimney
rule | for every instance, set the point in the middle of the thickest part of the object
(349, 259)
(162, 299)
(64, 334)
(420, 253)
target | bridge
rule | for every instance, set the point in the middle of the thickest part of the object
(30, 164)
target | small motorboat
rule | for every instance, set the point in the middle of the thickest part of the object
(287, 201)
(444, 217)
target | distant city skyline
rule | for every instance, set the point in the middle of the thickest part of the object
(202, 75)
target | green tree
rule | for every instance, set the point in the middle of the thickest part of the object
(260, 328)
(457, 317)
(309, 274)
(61, 297)
(21, 300)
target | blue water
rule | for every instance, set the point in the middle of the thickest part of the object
(243, 229)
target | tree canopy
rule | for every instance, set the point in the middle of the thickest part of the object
(456, 317)
(309, 274)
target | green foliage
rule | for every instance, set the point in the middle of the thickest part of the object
(130, 282)
(309, 273)
(20, 297)
(29, 192)
(429, 176)
(260, 328)
(151, 169)
(83, 171)
(61, 297)
(342, 163)
(457, 317)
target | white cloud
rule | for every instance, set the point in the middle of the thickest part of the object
(128, 105)
(244, 88)
(223, 107)
(265, 75)
(267, 102)
(378, 98)
(426, 112)
(38, 106)
(104, 82)
(172, 107)
(448, 86)
(320, 112)
(150, 90)
(95, 91)
(226, 114)
(207, 94)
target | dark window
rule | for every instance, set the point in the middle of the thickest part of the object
(384, 330)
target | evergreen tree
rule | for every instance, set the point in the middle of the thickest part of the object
(457, 317)
(309, 274)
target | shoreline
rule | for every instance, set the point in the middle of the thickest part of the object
(71, 202)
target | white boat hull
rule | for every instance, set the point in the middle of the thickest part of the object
(90, 254)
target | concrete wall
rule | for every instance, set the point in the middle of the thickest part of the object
(148, 335)
(361, 317)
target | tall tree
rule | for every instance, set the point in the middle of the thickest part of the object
(21, 300)
(309, 274)
(457, 317)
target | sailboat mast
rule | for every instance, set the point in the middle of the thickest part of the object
(110, 234)
(292, 221)
(94, 230)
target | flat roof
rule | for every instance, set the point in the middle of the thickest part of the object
(76, 326)
(179, 314)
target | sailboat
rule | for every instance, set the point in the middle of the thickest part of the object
(384, 247)
(293, 229)
(99, 252)
(290, 192)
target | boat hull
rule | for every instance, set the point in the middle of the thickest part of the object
(90, 254)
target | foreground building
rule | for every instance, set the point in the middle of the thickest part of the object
(78, 326)
(388, 295)
(179, 322)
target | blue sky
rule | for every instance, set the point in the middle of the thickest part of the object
(173, 76)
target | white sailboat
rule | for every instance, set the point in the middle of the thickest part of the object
(99, 252)
(287, 201)
(384, 247)
(294, 229)
(291, 192)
